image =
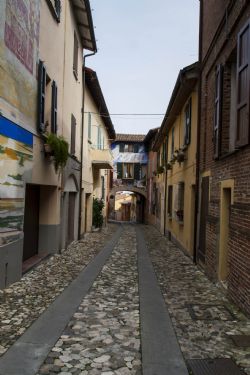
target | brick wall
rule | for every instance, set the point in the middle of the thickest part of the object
(234, 165)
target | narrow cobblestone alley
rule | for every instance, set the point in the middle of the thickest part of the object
(105, 333)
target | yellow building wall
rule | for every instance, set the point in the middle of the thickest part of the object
(183, 172)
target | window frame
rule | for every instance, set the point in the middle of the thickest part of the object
(123, 173)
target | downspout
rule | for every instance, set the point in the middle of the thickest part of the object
(82, 128)
(197, 182)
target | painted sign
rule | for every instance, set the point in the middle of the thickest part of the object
(129, 157)
(16, 156)
(22, 29)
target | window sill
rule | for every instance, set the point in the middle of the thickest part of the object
(231, 153)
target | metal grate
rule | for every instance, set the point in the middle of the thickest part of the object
(219, 366)
(243, 341)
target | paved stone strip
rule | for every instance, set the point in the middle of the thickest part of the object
(203, 318)
(30, 350)
(161, 354)
(103, 336)
(23, 302)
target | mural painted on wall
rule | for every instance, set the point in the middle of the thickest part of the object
(127, 156)
(16, 155)
(22, 29)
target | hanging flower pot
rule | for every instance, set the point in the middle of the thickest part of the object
(168, 166)
(48, 150)
(58, 148)
(180, 156)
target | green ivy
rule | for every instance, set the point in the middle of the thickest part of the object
(98, 205)
(60, 150)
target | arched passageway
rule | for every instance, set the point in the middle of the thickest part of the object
(127, 206)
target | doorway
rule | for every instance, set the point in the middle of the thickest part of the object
(203, 218)
(224, 234)
(31, 221)
(71, 218)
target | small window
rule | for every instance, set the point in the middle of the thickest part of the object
(75, 56)
(170, 201)
(121, 147)
(130, 148)
(55, 8)
(136, 147)
(128, 170)
(103, 187)
(172, 144)
(187, 123)
(73, 135)
(180, 201)
(54, 108)
(89, 126)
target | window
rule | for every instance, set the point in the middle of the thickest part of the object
(89, 126)
(121, 147)
(73, 135)
(55, 8)
(187, 123)
(180, 202)
(172, 144)
(128, 170)
(170, 201)
(130, 148)
(41, 96)
(243, 78)
(99, 138)
(103, 187)
(54, 108)
(218, 110)
(136, 147)
(126, 148)
(75, 56)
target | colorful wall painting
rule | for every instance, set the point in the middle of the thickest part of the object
(16, 159)
(21, 32)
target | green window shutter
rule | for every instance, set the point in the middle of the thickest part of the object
(121, 147)
(137, 171)
(54, 108)
(98, 138)
(119, 170)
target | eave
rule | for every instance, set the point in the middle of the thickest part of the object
(185, 84)
(83, 17)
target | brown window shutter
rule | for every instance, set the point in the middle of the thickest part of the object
(218, 110)
(242, 101)
(73, 135)
(41, 96)
(54, 108)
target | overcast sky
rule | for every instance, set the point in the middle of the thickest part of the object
(142, 45)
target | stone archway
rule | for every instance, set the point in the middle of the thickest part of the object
(133, 189)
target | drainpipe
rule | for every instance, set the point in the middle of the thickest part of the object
(197, 182)
(82, 127)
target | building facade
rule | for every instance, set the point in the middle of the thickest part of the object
(40, 94)
(177, 158)
(223, 246)
(97, 157)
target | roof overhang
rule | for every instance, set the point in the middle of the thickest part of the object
(94, 87)
(102, 164)
(186, 81)
(83, 16)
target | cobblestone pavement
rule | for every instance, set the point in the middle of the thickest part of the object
(202, 316)
(103, 336)
(23, 302)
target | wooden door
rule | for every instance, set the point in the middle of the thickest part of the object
(203, 218)
(31, 221)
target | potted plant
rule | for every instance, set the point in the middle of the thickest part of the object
(57, 147)
(180, 156)
(160, 169)
(168, 166)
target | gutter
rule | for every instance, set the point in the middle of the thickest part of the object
(82, 127)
